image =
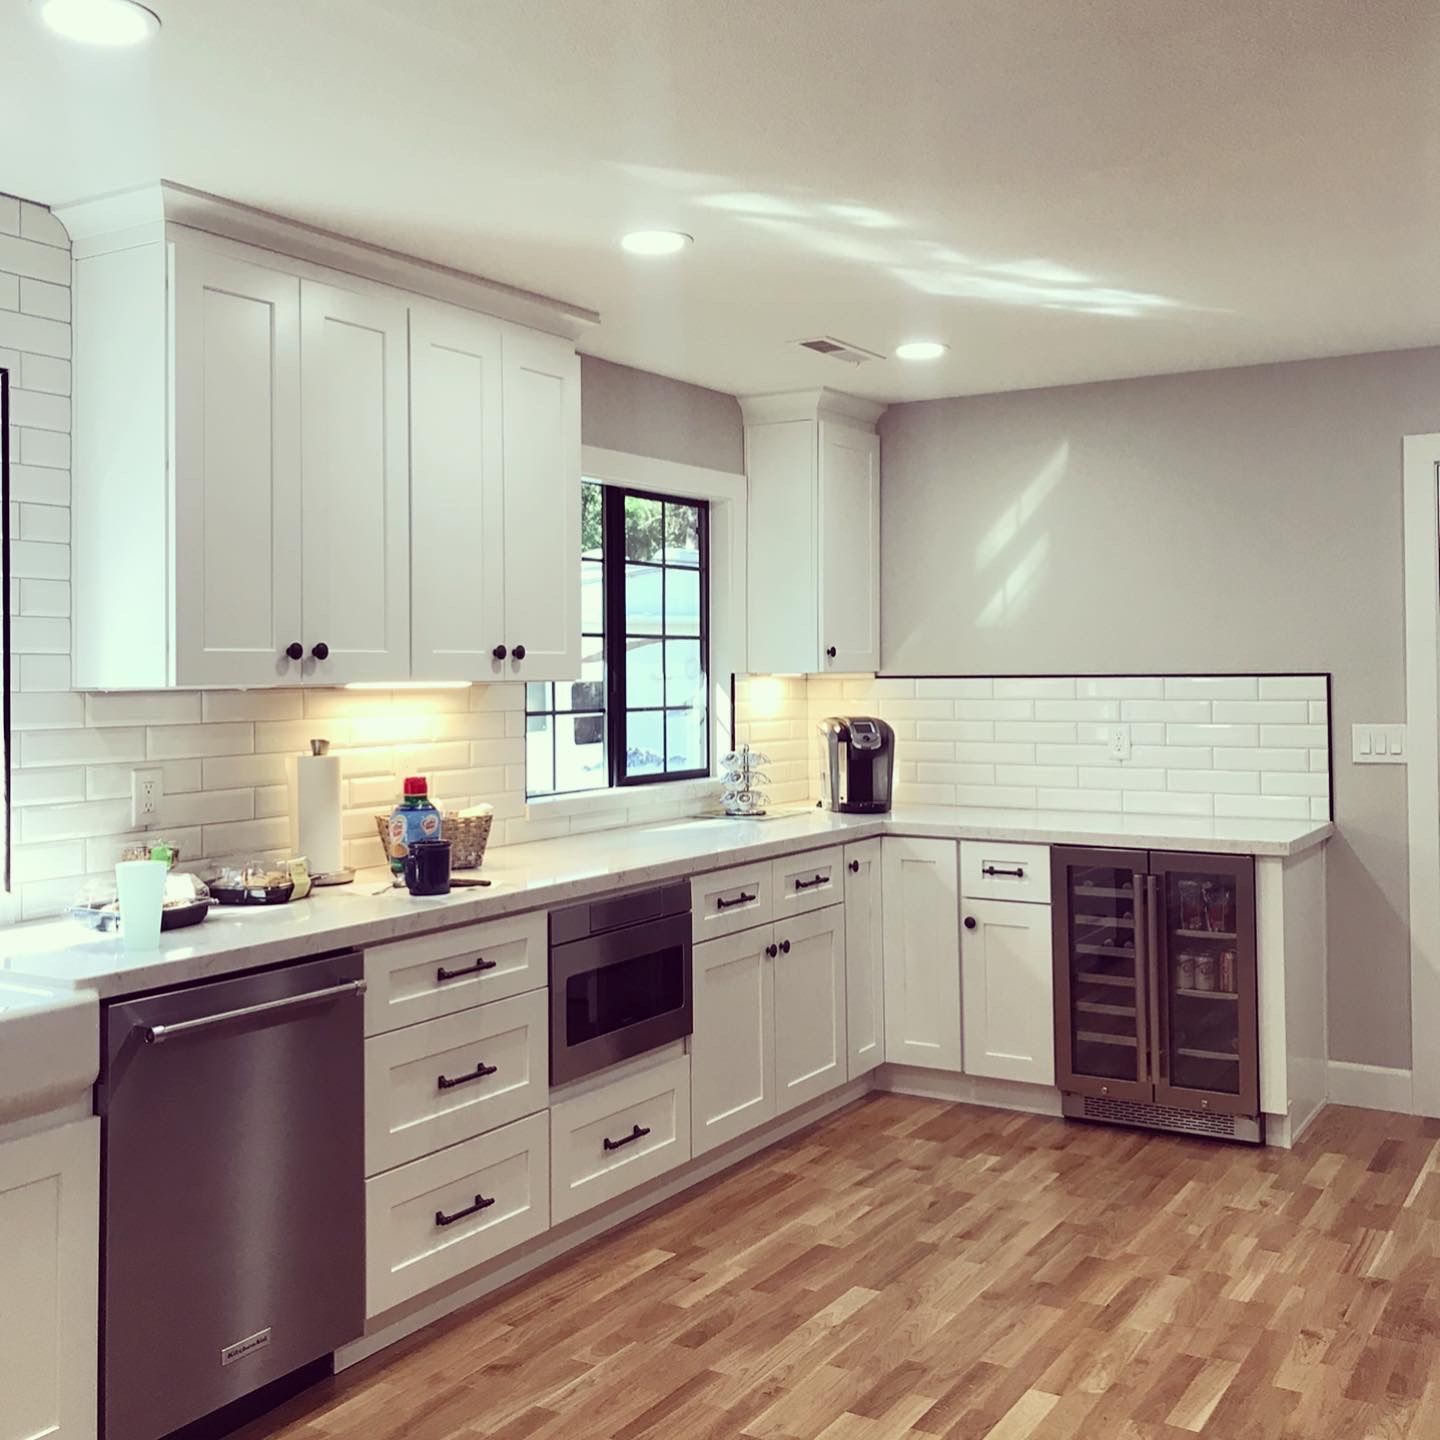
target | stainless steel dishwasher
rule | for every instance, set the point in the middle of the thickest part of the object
(233, 1213)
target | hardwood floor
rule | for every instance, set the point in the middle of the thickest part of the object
(910, 1268)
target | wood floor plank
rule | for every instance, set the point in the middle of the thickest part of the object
(915, 1270)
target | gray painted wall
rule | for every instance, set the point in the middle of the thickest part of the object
(1236, 520)
(645, 414)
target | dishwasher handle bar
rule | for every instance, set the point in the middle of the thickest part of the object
(157, 1034)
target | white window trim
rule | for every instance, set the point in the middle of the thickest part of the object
(727, 496)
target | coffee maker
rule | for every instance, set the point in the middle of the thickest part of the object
(857, 764)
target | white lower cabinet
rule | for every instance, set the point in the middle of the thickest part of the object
(864, 959)
(1008, 991)
(608, 1140)
(922, 952)
(442, 1081)
(432, 1220)
(50, 1260)
(809, 991)
(732, 1049)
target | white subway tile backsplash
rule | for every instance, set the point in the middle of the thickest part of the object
(983, 752)
(73, 822)
(45, 598)
(1261, 759)
(1212, 687)
(30, 635)
(79, 747)
(1311, 736)
(1194, 712)
(1120, 687)
(1095, 710)
(997, 709)
(1101, 801)
(1171, 757)
(1167, 802)
(1257, 712)
(115, 782)
(207, 807)
(1263, 807)
(1212, 735)
(48, 862)
(996, 797)
(1121, 777)
(952, 689)
(1307, 783)
(953, 729)
(42, 672)
(931, 772)
(1292, 687)
(1037, 775)
(1028, 687)
(1320, 760)
(46, 710)
(1215, 782)
(181, 707)
(226, 705)
(179, 742)
(47, 787)
(1094, 754)
(227, 839)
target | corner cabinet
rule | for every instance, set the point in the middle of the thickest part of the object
(921, 895)
(812, 460)
(353, 483)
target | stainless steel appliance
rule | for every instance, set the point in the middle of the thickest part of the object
(620, 979)
(857, 764)
(233, 1209)
(1155, 990)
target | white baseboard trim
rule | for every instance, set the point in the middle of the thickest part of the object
(968, 1089)
(1372, 1087)
(515, 1264)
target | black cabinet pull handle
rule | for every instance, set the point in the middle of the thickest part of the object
(784, 947)
(295, 650)
(442, 974)
(772, 951)
(481, 1070)
(969, 922)
(499, 652)
(518, 652)
(811, 884)
(830, 652)
(481, 1203)
(721, 903)
(1018, 872)
(854, 867)
(320, 651)
(638, 1133)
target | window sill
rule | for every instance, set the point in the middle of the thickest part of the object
(633, 798)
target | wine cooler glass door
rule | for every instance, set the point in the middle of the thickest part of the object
(1202, 942)
(1101, 1017)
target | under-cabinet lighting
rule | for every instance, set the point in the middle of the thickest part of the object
(920, 350)
(408, 685)
(114, 23)
(656, 242)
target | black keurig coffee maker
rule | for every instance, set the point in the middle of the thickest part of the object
(857, 764)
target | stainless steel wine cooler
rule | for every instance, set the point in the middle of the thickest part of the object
(1155, 990)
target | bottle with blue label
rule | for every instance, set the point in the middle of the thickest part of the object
(414, 818)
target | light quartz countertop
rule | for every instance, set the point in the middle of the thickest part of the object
(555, 872)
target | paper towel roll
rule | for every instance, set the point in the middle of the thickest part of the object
(318, 835)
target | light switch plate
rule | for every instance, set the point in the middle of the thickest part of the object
(1378, 744)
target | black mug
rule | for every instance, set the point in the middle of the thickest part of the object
(427, 867)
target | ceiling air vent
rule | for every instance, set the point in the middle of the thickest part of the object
(839, 350)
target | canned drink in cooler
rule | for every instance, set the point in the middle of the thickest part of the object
(1185, 971)
(1227, 971)
(1205, 972)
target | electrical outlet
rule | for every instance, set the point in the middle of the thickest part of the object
(1117, 742)
(147, 790)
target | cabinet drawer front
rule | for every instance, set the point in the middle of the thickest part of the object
(1000, 870)
(809, 881)
(433, 975)
(731, 900)
(620, 1135)
(448, 1079)
(410, 1247)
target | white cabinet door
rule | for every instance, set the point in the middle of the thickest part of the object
(1008, 990)
(237, 548)
(809, 1020)
(849, 548)
(355, 418)
(922, 952)
(732, 1050)
(782, 597)
(864, 958)
(457, 584)
(541, 504)
(50, 1261)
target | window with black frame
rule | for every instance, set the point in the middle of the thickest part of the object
(639, 714)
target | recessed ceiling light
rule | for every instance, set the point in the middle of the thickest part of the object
(656, 242)
(99, 22)
(920, 350)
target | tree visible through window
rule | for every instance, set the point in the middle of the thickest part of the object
(639, 713)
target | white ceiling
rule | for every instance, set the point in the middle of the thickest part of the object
(1062, 191)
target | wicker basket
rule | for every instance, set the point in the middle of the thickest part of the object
(468, 835)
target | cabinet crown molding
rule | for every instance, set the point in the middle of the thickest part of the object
(821, 404)
(122, 219)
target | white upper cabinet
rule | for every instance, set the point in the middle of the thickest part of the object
(237, 459)
(355, 485)
(290, 469)
(812, 460)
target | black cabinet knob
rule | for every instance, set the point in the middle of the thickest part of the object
(518, 652)
(772, 951)
(320, 651)
(854, 867)
(295, 650)
(969, 922)
(499, 652)
(784, 947)
(830, 651)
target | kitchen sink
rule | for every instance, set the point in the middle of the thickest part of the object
(49, 1047)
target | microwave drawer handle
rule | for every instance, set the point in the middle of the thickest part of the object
(721, 903)
(481, 1070)
(480, 965)
(1017, 873)
(482, 1202)
(638, 1133)
(811, 884)
(156, 1034)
